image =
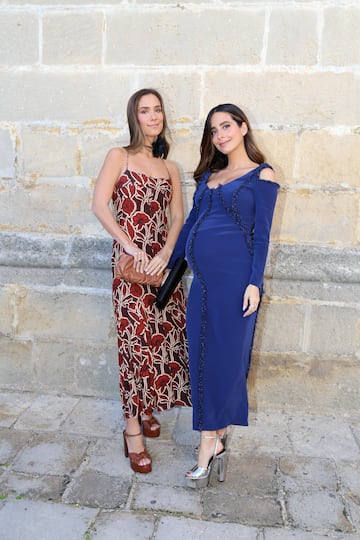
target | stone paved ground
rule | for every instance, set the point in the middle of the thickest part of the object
(63, 476)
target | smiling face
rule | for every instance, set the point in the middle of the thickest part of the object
(226, 134)
(150, 116)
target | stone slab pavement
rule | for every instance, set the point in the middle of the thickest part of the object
(63, 475)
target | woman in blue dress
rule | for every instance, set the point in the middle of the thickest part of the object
(225, 240)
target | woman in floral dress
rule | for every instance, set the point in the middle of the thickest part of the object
(144, 189)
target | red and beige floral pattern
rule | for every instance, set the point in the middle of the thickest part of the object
(153, 359)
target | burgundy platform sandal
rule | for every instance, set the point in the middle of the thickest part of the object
(135, 458)
(148, 426)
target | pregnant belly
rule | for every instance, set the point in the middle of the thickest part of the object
(218, 249)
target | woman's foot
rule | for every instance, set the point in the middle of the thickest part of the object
(211, 451)
(150, 425)
(140, 462)
(134, 447)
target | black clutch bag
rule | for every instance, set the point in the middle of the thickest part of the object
(170, 283)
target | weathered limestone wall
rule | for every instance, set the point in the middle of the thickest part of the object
(67, 70)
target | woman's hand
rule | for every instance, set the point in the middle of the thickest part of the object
(251, 300)
(140, 257)
(158, 264)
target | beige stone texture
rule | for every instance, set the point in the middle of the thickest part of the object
(15, 362)
(175, 88)
(292, 381)
(318, 217)
(97, 369)
(280, 98)
(54, 364)
(69, 95)
(341, 37)
(278, 381)
(186, 149)
(188, 192)
(19, 38)
(65, 3)
(279, 148)
(184, 36)
(324, 291)
(63, 314)
(274, 2)
(335, 330)
(47, 207)
(6, 311)
(74, 96)
(328, 159)
(7, 153)
(95, 143)
(72, 38)
(273, 316)
(49, 152)
(169, 2)
(76, 367)
(292, 37)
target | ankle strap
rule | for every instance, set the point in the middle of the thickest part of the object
(133, 435)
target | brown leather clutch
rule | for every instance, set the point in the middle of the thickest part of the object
(126, 270)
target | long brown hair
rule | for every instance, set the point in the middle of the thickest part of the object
(136, 135)
(214, 160)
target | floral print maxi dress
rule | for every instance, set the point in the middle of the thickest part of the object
(153, 357)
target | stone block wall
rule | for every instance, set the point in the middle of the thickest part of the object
(67, 69)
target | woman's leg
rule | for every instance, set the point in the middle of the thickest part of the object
(210, 444)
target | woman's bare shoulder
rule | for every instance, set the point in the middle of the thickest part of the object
(117, 153)
(267, 173)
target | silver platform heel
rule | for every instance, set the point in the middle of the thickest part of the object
(221, 464)
(198, 477)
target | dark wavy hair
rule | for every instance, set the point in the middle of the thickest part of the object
(214, 160)
(161, 146)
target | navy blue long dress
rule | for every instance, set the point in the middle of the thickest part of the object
(225, 240)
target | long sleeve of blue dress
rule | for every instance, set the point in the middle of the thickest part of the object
(265, 193)
(179, 249)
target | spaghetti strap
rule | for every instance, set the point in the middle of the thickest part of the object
(127, 159)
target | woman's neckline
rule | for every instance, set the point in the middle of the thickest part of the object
(232, 180)
(147, 175)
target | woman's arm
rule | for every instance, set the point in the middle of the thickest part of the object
(114, 164)
(265, 192)
(179, 249)
(176, 209)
